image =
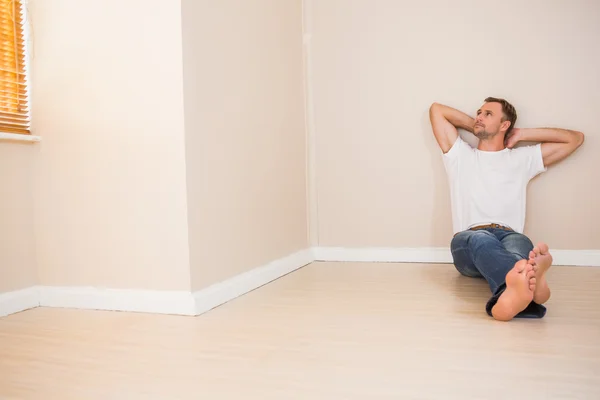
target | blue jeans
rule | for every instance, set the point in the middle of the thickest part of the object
(489, 254)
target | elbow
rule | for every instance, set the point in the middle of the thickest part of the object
(434, 108)
(580, 137)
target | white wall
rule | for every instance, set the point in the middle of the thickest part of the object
(377, 66)
(245, 134)
(111, 182)
(110, 194)
(110, 189)
(17, 240)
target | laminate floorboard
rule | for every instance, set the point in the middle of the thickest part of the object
(326, 331)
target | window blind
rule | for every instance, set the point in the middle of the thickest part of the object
(14, 112)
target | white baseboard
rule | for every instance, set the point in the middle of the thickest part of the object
(436, 255)
(383, 254)
(578, 258)
(150, 301)
(188, 303)
(18, 300)
(220, 293)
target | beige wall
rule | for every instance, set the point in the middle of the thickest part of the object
(110, 195)
(378, 65)
(120, 161)
(245, 137)
(17, 240)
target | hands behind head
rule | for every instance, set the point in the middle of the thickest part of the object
(513, 138)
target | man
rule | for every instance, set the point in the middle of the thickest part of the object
(488, 186)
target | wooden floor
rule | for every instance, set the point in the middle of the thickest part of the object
(327, 331)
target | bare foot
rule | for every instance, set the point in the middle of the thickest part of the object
(531, 275)
(520, 286)
(541, 260)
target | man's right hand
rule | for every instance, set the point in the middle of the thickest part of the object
(445, 122)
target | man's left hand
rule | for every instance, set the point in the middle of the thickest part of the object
(514, 138)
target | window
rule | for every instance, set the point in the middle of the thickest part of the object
(14, 107)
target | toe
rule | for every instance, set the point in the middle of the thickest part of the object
(520, 266)
(543, 248)
(531, 274)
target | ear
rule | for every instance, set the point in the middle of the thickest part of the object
(504, 126)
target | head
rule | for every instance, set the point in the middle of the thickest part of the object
(495, 117)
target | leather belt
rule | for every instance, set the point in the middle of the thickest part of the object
(497, 226)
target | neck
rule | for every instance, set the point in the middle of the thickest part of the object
(493, 144)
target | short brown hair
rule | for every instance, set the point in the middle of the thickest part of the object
(508, 110)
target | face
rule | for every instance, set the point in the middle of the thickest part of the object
(488, 122)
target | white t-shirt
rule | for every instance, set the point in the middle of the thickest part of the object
(490, 186)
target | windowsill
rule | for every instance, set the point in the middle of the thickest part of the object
(19, 137)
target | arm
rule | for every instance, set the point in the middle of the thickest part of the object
(557, 143)
(445, 121)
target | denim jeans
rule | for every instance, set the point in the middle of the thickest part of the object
(489, 254)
